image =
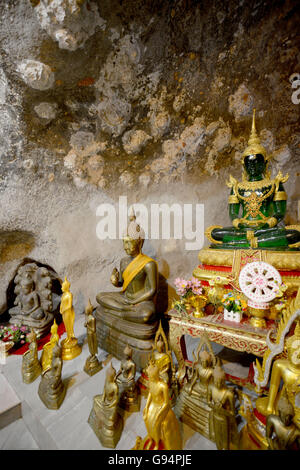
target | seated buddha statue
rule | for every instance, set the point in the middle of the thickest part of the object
(286, 371)
(129, 316)
(125, 378)
(46, 357)
(52, 390)
(281, 432)
(262, 203)
(201, 375)
(104, 418)
(31, 367)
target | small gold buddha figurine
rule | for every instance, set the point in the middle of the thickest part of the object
(161, 423)
(129, 317)
(287, 371)
(46, 357)
(70, 346)
(52, 390)
(223, 426)
(104, 419)
(281, 432)
(129, 396)
(92, 364)
(192, 407)
(31, 367)
(201, 374)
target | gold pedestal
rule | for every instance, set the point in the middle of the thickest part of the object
(70, 349)
(92, 365)
(258, 317)
(106, 423)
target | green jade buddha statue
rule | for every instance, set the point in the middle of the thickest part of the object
(263, 204)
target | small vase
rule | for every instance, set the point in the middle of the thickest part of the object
(198, 302)
(233, 316)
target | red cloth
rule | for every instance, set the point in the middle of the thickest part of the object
(41, 342)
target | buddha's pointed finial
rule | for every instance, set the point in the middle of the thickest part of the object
(254, 146)
(134, 230)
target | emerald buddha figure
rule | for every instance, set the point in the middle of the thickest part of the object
(257, 206)
(128, 317)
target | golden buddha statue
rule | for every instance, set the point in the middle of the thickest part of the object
(31, 367)
(125, 378)
(263, 204)
(46, 357)
(287, 371)
(281, 432)
(192, 407)
(223, 426)
(70, 346)
(201, 374)
(161, 423)
(52, 390)
(129, 316)
(92, 364)
(104, 418)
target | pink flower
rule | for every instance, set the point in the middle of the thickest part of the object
(197, 291)
(181, 286)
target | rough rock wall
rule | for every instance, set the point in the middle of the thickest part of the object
(146, 99)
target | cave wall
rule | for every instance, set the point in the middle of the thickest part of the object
(146, 99)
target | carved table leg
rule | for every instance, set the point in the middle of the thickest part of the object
(175, 345)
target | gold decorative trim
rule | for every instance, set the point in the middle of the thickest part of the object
(209, 236)
(280, 196)
(233, 199)
(285, 260)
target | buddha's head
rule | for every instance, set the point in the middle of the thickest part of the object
(219, 376)
(128, 352)
(152, 371)
(293, 347)
(134, 237)
(285, 410)
(255, 159)
(65, 287)
(205, 358)
(27, 286)
(54, 328)
(31, 336)
(160, 345)
(56, 351)
(110, 373)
